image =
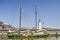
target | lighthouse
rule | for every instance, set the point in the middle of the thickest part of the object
(39, 24)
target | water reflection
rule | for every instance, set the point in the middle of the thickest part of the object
(54, 38)
(49, 38)
(30, 39)
(3, 38)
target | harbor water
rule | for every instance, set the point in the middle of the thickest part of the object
(48, 38)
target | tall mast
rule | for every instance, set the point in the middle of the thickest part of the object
(35, 16)
(20, 17)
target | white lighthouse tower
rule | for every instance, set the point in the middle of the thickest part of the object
(39, 24)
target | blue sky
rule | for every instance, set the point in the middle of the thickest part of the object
(48, 11)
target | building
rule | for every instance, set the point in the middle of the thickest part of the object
(52, 31)
(5, 28)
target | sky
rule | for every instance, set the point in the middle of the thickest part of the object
(48, 11)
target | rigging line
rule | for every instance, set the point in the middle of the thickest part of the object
(14, 17)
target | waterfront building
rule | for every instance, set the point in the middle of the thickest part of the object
(5, 28)
(52, 31)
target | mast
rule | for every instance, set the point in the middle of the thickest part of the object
(35, 16)
(20, 17)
